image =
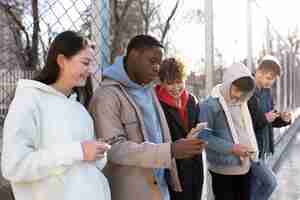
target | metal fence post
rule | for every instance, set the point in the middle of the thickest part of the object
(285, 66)
(278, 81)
(100, 34)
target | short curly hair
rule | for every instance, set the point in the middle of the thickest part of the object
(172, 69)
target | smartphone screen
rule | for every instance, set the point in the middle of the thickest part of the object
(204, 134)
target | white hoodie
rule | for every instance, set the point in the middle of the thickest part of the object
(42, 155)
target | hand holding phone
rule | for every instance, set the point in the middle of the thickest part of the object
(187, 148)
(194, 131)
(204, 134)
(286, 116)
(272, 115)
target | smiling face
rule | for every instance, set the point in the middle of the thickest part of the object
(175, 88)
(172, 76)
(75, 70)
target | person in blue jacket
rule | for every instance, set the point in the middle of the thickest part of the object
(232, 142)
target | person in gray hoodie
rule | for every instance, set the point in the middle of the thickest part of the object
(141, 161)
(231, 141)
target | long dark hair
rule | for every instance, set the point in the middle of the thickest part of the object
(67, 43)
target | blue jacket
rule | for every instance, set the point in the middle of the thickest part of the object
(220, 141)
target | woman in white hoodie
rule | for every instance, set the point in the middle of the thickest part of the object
(49, 147)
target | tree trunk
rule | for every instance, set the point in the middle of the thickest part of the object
(35, 36)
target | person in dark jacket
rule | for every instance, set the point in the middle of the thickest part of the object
(181, 111)
(261, 106)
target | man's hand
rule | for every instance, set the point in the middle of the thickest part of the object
(271, 116)
(286, 116)
(187, 147)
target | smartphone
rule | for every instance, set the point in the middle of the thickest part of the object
(204, 133)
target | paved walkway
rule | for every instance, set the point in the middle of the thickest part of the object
(288, 173)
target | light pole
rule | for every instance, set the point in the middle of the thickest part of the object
(249, 35)
(209, 45)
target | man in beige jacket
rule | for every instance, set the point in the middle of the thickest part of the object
(126, 111)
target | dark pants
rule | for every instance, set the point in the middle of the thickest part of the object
(231, 187)
(190, 172)
(193, 192)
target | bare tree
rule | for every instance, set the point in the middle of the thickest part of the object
(30, 52)
(148, 11)
(119, 23)
(131, 17)
(166, 26)
(294, 40)
(33, 53)
(153, 20)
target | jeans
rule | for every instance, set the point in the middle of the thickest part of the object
(263, 181)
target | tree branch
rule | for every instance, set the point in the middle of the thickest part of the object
(147, 12)
(117, 18)
(127, 5)
(167, 24)
(35, 35)
(8, 10)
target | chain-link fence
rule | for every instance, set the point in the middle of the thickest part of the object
(28, 27)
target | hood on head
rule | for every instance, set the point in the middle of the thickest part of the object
(233, 73)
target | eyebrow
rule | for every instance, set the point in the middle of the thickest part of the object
(86, 59)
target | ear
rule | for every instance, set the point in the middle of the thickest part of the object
(258, 73)
(61, 60)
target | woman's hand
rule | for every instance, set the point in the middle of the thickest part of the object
(93, 150)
